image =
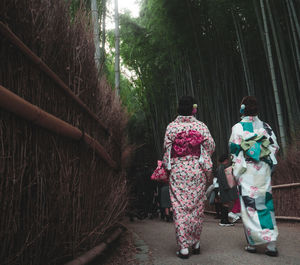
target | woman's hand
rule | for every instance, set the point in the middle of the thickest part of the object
(209, 176)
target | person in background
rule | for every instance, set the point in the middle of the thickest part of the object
(253, 146)
(155, 202)
(165, 202)
(227, 187)
(188, 147)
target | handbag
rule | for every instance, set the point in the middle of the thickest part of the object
(212, 197)
(209, 190)
(160, 173)
(229, 176)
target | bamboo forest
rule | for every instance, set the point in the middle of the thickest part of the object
(91, 91)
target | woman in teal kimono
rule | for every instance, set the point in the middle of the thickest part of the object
(253, 147)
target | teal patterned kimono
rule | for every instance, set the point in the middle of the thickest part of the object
(253, 146)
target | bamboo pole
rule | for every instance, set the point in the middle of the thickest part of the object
(96, 251)
(5, 30)
(281, 68)
(22, 108)
(95, 18)
(281, 186)
(102, 50)
(295, 17)
(289, 218)
(296, 43)
(117, 49)
(273, 78)
(243, 54)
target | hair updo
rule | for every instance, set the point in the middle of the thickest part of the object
(185, 106)
(251, 106)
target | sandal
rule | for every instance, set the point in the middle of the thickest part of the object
(196, 251)
(182, 256)
(250, 249)
(272, 253)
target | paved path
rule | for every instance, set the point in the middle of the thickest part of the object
(155, 241)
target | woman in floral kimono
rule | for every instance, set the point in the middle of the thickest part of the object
(253, 146)
(188, 147)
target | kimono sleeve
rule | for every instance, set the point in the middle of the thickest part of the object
(167, 147)
(209, 143)
(274, 147)
(235, 140)
(238, 160)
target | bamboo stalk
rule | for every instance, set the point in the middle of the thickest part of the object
(5, 30)
(295, 40)
(281, 68)
(96, 251)
(117, 49)
(96, 25)
(243, 54)
(17, 105)
(295, 18)
(273, 78)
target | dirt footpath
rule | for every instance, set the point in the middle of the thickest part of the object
(155, 242)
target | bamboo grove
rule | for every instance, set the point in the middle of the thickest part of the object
(58, 198)
(217, 51)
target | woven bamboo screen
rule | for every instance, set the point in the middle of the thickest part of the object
(58, 197)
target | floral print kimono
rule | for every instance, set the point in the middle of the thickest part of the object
(188, 146)
(253, 146)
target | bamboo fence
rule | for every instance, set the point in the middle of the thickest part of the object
(62, 140)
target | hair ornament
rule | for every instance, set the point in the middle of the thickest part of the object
(194, 111)
(242, 109)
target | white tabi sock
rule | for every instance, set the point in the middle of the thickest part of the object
(197, 245)
(184, 251)
(271, 246)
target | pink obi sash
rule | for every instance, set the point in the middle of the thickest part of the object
(187, 143)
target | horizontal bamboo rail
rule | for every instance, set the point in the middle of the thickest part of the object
(289, 185)
(281, 186)
(22, 108)
(288, 218)
(5, 30)
(96, 251)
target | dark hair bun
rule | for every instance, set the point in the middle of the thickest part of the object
(185, 106)
(251, 106)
